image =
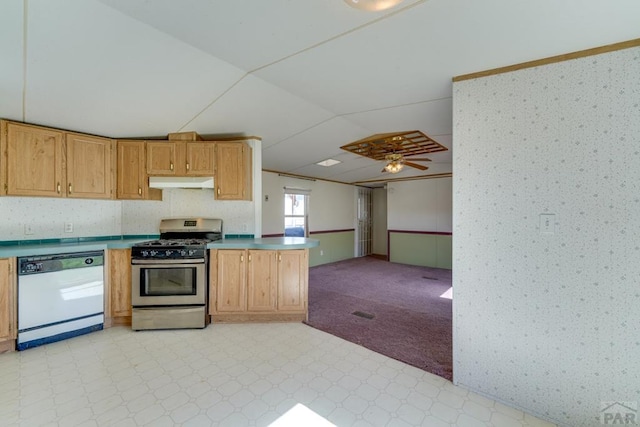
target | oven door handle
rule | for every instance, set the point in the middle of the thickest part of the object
(166, 261)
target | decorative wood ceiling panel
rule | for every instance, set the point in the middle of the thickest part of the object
(409, 143)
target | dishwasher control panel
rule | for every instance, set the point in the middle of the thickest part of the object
(51, 263)
(31, 267)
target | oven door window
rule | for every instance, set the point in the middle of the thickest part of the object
(168, 281)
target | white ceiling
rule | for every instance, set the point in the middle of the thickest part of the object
(306, 76)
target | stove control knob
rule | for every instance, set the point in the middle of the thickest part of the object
(153, 253)
(168, 252)
(191, 252)
(183, 253)
(145, 253)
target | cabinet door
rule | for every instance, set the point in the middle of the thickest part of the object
(162, 158)
(200, 158)
(232, 281)
(89, 166)
(132, 178)
(262, 277)
(131, 173)
(233, 171)
(8, 321)
(120, 282)
(34, 161)
(292, 280)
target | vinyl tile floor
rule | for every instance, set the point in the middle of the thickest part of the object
(231, 375)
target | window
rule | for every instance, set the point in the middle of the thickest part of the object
(295, 213)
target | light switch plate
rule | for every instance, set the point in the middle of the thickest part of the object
(547, 223)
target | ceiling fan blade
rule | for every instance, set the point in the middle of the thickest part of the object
(415, 165)
(414, 159)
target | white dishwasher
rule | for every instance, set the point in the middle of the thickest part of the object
(59, 297)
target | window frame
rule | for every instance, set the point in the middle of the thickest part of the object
(304, 216)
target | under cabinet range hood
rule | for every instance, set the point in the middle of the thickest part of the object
(181, 182)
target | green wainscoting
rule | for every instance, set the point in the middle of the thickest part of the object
(428, 250)
(334, 246)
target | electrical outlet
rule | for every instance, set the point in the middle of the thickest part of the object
(68, 227)
(28, 229)
(321, 252)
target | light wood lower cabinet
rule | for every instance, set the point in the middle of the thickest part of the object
(118, 296)
(8, 305)
(258, 285)
(231, 280)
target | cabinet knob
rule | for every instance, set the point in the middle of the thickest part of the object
(188, 167)
(59, 188)
(241, 258)
(140, 191)
(171, 166)
(218, 191)
(70, 188)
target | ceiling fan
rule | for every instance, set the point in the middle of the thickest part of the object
(396, 161)
(397, 149)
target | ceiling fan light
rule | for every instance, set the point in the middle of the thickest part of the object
(394, 167)
(372, 5)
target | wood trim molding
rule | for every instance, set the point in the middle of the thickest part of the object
(313, 232)
(408, 178)
(346, 230)
(436, 233)
(553, 59)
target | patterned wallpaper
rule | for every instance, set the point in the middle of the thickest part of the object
(47, 218)
(143, 217)
(546, 317)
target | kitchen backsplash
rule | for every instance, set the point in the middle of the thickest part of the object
(144, 217)
(28, 218)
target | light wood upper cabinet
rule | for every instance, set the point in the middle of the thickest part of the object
(180, 158)
(33, 161)
(161, 158)
(261, 280)
(90, 163)
(132, 176)
(8, 303)
(40, 161)
(233, 171)
(200, 158)
(293, 277)
(46, 162)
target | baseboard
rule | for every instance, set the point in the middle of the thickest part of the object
(257, 317)
(7, 346)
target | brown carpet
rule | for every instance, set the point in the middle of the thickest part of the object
(399, 311)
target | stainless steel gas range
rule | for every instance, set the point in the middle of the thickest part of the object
(169, 280)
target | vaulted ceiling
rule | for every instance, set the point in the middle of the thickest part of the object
(306, 76)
